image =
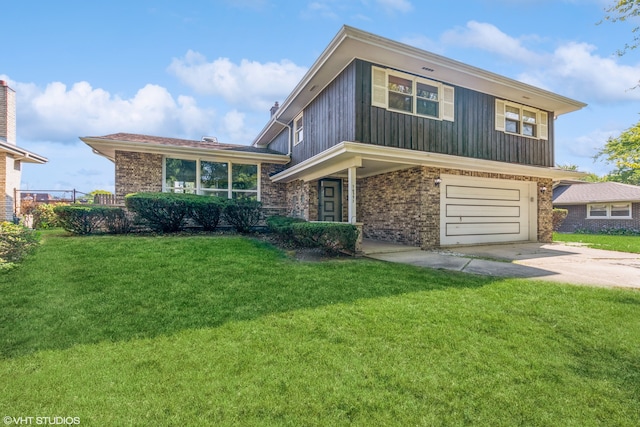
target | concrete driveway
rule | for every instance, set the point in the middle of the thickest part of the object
(556, 262)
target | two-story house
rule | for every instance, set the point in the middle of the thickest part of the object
(415, 147)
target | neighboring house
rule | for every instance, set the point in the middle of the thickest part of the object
(12, 157)
(597, 206)
(414, 147)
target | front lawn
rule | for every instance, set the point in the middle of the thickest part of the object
(211, 330)
(602, 241)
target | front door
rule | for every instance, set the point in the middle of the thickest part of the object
(330, 200)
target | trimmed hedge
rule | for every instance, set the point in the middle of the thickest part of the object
(90, 219)
(207, 211)
(281, 227)
(16, 241)
(331, 236)
(164, 212)
(243, 214)
(44, 216)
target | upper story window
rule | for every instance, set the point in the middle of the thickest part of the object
(298, 131)
(223, 179)
(521, 120)
(410, 94)
(620, 210)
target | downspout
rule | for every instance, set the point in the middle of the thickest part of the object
(289, 135)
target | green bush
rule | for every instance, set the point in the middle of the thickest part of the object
(16, 241)
(116, 220)
(84, 219)
(281, 227)
(164, 212)
(559, 215)
(610, 231)
(243, 214)
(331, 236)
(44, 217)
(206, 211)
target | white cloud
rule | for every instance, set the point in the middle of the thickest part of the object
(396, 5)
(488, 37)
(58, 113)
(573, 69)
(249, 84)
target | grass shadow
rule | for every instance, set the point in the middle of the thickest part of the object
(84, 290)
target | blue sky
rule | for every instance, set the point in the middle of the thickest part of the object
(193, 68)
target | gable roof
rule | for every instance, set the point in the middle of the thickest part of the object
(351, 43)
(108, 145)
(597, 192)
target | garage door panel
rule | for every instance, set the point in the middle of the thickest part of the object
(501, 211)
(481, 193)
(484, 210)
(483, 228)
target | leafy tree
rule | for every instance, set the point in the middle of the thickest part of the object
(624, 153)
(625, 10)
(592, 177)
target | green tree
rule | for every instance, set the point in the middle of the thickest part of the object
(624, 153)
(621, 11)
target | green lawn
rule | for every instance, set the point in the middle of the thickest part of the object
(210, 330)
(600, 241)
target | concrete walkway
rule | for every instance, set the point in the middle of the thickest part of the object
(556, 262)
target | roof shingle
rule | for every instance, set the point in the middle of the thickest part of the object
(597, 192)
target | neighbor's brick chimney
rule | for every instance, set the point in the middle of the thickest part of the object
(274, 109)
(7, 113)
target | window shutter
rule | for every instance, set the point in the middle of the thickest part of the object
(448, 104)
(500, 107)
(543, 120)
(378, 87)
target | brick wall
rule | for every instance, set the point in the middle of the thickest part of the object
(5, 201)
(137, 172)
(272, 194)
(577, 219)
(7, 113)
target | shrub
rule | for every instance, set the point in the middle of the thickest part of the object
(206, 211)
(243, 214)
(281, 227)
(44, 217)
(331, 236)
(610, 231)
(116, 220)
(559, 215)
(164, 212)
(16, 242)
(82, 219)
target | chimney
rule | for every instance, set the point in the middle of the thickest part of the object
(7, 113)
(274, 109)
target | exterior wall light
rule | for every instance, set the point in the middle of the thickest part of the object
(437, 182)
(543, 189)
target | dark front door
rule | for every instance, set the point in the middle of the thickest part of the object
(330, 195)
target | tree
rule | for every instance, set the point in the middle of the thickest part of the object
(624, 153)
(591, 177)
(624, 10)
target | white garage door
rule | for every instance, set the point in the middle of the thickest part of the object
(482, 210)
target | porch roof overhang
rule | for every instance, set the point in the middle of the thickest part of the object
(374, 160)
(107, 148)
(22, 154)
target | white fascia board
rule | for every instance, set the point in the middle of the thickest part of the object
(346, 152)
(22, 154)
(107, 148)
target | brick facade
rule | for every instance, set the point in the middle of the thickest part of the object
(404, 206)
(137, 172)
(577, 220)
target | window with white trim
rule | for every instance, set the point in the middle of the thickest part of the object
(521, 120)
(620, 210)
(409, 94)
(223, 179)
(298, 129)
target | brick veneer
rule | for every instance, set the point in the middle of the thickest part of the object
(577, 219)
(404, 206)
(137, 172)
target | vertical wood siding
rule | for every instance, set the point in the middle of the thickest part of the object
(472, 134)
(330, 118)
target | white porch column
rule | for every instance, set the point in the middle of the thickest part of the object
(351, 185)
